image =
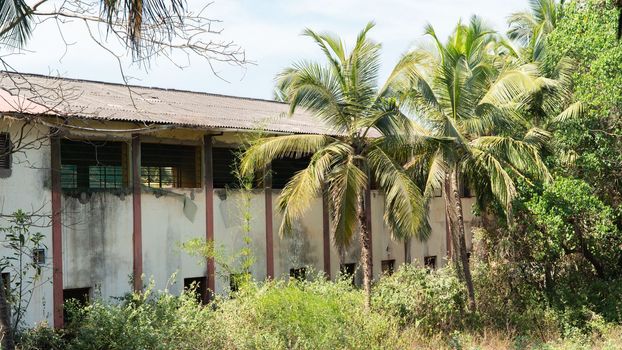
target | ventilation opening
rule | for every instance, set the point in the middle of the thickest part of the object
(298, 273)
(387, 267)
(5, 150)
(348, 271)
(198, 285)
(77, 296)
(430, 262)
(93, 165)
(170, 166)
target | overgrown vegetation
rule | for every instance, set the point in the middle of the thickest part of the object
(534, 124)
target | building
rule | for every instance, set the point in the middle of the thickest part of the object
(123, 175)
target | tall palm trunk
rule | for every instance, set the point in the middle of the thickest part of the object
(6, 332)
(366, 261)
(464, 257)
(452, 241)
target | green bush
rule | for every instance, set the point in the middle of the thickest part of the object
(431, 301)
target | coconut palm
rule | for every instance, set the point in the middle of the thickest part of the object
(530, 28)
(461, 91)
(371, 140)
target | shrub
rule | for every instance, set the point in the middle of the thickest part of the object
(431, 301)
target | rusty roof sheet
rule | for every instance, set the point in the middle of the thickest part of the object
(38, 94)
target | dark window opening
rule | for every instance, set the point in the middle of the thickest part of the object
(6, 282)
(198, 285)
(38, 256)
(387, 267)
(298, 273)
(5, 150)
(282, 170)
(465, 188)
(236, 280)
(77, 296)
(223, 167)
(170, 166)
(93, 165)
(348, 270)
(430, 262)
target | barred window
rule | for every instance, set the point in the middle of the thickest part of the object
(170, 166)
(93, 165)
(223, 167)
(5, 150)
(284, 169)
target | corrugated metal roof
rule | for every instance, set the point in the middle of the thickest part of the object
(37, 94)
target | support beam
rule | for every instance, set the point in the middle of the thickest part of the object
(269, 224)
(137, 236)
(326, 233)
(57, 234)
(209, 212)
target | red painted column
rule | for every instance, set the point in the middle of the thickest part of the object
(57, 235)
(137, 236)
(326, 232)
(209, 212)
(269, 224)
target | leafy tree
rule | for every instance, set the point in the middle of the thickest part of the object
(586, 34)
(460, 92)
(372, 139)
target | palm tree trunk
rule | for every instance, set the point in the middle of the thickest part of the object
(366, 261)
(464, 257)
(452, 241)
(5, 321)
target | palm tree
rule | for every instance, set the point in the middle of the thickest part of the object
(461, 91)
(371, 140)
(16, 17)
(530, 28)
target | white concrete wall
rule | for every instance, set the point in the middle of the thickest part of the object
(27, 187)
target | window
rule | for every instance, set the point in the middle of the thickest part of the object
(299, 273)
(93, 165)
(387, 266)
(465, 189)
(284, 169)
(38, 256)
(5, 150)
(170, 166)
(198, 285)
(223, 166)
(348, 270)
(430, 262)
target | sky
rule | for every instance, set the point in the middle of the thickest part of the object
(269, 32)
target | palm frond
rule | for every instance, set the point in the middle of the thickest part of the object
(262, 152)
(15, 22)
(404, 205)
(307, 184)
(346, 183)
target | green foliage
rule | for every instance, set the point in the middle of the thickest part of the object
(586, 34)
(431, 301)
(576, 220)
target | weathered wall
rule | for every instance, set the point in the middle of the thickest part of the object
(97, 230)
(27, 187)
